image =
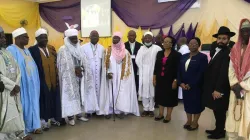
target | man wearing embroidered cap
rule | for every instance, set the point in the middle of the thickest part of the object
(30, 82)
(145, 61)
(118, 90)
(11, 119)
(238, 118)
(73, 80)
(50, 105)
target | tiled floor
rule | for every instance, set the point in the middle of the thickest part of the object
(132, 128)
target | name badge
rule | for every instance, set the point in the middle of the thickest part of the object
(12, 70)
(133, 56)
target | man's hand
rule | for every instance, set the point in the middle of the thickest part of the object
(174, 84)
(237, 89)
(110, 75)
(188, 87)
(183, 86)
(16, 89)
(154, 80)
(216, 95)
(78, 72)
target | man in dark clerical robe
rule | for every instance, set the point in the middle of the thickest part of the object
(133, 46)
(45, 58)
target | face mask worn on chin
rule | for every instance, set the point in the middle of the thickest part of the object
(148, 44)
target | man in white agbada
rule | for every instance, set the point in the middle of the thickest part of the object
(11, 118)
(94, 53)
(70, 65)
(184, 49)
(238, 115)
(118, 81)
(145, 61)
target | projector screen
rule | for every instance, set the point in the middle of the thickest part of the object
(96, 15)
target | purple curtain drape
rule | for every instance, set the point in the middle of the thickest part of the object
(181, 32)
(150, 13)
(134, 13)
(57, 13)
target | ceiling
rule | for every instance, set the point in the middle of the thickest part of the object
(43, 1)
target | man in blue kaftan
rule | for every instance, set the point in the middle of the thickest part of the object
(30, 83)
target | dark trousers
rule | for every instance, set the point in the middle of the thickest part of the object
(220, 117)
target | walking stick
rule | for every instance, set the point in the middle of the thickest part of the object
(113, 100)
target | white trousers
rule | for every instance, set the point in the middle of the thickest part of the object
(234, 136)
(148, 104)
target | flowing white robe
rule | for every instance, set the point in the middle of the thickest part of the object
(72, 98)
(94, 58)
(11, 113)
(145, 61)
(124, 90)
(241, 126)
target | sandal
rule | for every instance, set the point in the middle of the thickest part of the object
(27, 137)
(38, 131)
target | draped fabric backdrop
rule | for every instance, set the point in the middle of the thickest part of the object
(135, 13)
(150, 13)
(57, 13)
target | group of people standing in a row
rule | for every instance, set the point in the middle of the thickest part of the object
(38, 84)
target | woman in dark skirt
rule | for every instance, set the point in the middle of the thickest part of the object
(165, 79)
(190, 78)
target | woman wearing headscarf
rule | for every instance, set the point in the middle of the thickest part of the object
(118, 90)
(165, 79)
(190, 78)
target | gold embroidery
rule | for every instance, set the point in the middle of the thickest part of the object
(123, 75)
(123, 67)
(107, 58)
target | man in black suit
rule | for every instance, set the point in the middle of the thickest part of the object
(216, 88)
(133, 47)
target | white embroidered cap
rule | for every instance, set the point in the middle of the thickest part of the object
(148, 33)
(18, 32)
(71, 31)
(40, 32)
(245, 24)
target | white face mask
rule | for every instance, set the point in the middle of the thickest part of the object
(148, 44)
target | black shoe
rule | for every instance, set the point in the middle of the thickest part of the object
(144, 113)
(151, 114)
(159, 118)
(217, 136)
(166, 121)
(120, 116)
(108, 117)
(186, 126)
(192, 129)
(88, 116)
(210, 131)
